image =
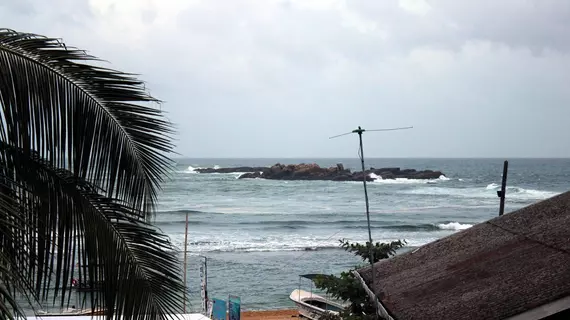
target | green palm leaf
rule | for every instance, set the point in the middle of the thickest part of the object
(81, 160)
(82, 117)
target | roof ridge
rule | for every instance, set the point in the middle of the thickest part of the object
(529, 238)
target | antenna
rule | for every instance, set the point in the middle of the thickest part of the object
(359, 131)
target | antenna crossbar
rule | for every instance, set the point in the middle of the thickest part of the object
(360, 131)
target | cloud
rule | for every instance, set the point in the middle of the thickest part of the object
(419, 7)
(275, 78)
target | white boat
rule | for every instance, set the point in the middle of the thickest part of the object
(311, 305)
(72, 312)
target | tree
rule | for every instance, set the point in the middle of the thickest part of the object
(347, 288)
(83, 150)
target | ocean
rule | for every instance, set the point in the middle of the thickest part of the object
(259, 235)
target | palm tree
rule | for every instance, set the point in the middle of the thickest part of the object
(83, 151)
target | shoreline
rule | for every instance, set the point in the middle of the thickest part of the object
(277, 314)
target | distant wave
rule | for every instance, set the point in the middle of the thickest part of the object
(257, 245)
(419, 227)
(192, 169)
(454, 226)
(489, 191)
(281, 244)
(276, 249)
(300, 249)
(285, 227)
(522, 192)
(378, 179)
(341, 224)
(184, 211)
(180, 222)
(279, 223)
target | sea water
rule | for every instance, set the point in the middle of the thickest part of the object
(259, 235)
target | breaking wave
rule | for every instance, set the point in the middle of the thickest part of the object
(191, 169)
(454, 226)
(273, 244)
(490, 191)
(378, 179)
(292, 225)
(420, 227)
(184, 211)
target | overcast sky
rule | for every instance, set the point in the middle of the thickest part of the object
(276, 78)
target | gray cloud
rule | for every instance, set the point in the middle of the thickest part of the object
(275, 78)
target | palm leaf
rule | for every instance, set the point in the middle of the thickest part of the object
(139, 267)
(82, 156)
(82, 117)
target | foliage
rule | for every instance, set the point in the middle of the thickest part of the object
(347, 288)
(83, 150)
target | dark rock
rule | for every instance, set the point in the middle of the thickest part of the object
(359, 176)
(311, 171)
(393, 170)
(230, 170)
(386, 175)
(427, 174)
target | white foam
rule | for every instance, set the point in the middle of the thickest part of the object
(492, 186)
(217, 167)
(454, 226)
(485, 192)
(375, 176)
(408, 181)
(190, 169)
(234, 242)
(403, 181)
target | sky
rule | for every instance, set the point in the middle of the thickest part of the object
(276, 78)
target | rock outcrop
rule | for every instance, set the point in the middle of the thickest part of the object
(313, 171)
(229, 170)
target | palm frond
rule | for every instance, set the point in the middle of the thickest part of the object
(85, 118)
(82, 156)
(137, 265)
(9, 308)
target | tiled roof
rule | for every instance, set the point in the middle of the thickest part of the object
(493, 270)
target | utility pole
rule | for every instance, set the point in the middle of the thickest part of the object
(359, 131)
(501, 193)
(185, 260)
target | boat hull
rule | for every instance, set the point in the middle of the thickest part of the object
(313, 306)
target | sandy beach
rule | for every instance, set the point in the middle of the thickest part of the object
(270, 315)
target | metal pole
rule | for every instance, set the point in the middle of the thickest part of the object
(501, 193)
(204, 284)
(185, 259)
(206, 280)
(371, 251)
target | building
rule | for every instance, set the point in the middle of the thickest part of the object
(516, 266)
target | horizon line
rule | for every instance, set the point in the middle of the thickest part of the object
(345, 157)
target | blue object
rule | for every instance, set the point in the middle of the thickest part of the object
(234, 306)
(218, 309)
